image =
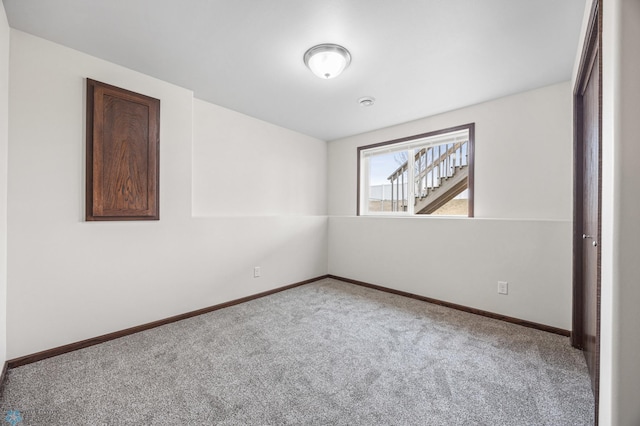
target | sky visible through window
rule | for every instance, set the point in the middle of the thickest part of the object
(382, 166)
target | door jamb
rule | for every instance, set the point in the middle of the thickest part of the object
(592, 45)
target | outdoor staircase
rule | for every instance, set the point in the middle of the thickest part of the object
(441, 172)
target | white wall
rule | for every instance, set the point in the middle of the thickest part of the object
(4, 143)
(523, 154)
(620, 371)
(461, 261)
(243, 166)
(69, 279)
(523, 206)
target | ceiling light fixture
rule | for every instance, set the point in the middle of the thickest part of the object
(327, 60)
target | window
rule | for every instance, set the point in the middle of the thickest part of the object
(430, 173)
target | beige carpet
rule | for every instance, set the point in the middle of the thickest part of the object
(326, 353)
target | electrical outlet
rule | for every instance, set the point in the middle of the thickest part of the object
(256, 272)
(503, 287)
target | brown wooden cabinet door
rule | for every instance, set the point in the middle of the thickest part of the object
(122, 154)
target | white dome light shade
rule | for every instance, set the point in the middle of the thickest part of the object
(327, 60)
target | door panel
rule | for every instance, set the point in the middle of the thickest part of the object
(585, 334)
(590, 218)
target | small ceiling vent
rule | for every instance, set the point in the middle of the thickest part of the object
(366, 101)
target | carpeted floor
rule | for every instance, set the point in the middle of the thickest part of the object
(326, 353)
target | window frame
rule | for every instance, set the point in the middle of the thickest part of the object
(470, 127)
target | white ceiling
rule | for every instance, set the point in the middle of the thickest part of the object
(416, 57)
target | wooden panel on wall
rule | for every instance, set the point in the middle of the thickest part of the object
(123, 130)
